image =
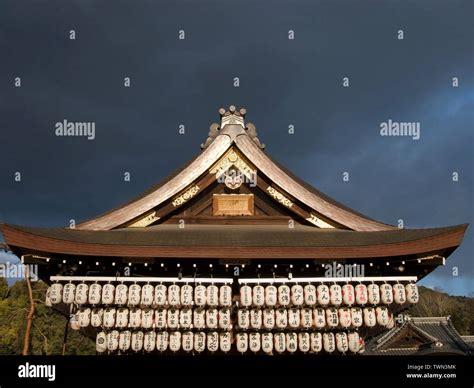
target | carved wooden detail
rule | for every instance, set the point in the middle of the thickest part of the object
(186, 196)
(145, 221)
(279, 197)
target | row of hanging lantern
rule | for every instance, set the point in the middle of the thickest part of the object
(324, 295)
(162, 341)
(161, 318)
(319, 318)
(314, 342)
(268, 343)
(135, 295)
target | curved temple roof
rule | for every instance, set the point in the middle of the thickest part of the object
(232, 132)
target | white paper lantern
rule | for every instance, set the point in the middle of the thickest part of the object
(243, 318)
(82, 292)
(121, 319)
(137, 340)
(399, 294)
(345, 319)
(316, 340)
(96, 317)
(161, 295)
(242, 342)
(267, 342)
(370, 318)
(199, 318)
(245, 296)
(95, 294)
(108, 294)
(225, 295)
(185, 318)
(74, 321)
(258, 295)
(310, 295)
(172, 318)
(342, 343)
(199, 341)
(412, 294)
(200, 295)
(357, 317)
(175, 341)
(386, 293)
(212, 295)
(283, 295)
(69, 290)
(147, 295)
(381, 313)
(109, 317)
(147, 318)
(101, 342)
(373, 292)
(112, 340)
(162, 341)
(160, 318)
(323, 294)
(354, 342)
(47, 299)
(306, 318)
(224, 319)
(213, 341)
(335, 292)
(281, 318)
(361, 295)
(56, 293)
(291, 342)
(84, 316)
(268, 318)
(212, 319)
(279, 342)
(256, 318)
(294, 318)
(135, 317)
(329, 342)
(319, 317)
(186, 295)
(348, 294)
(125, 339)
(149, 341)
(134, 295)
(271, 295)
(225, 341)
(297, 295)
(332, 318)
(304, 344)
(188, 341)
(174, 295)
(121, 294)
(254, 342)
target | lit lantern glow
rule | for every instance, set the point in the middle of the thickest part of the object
(225, 295)
(112, 340)
(121, 320)
(162, 340)
(348, 294)
(245, 296)
(68, 293)
(256, 318)
(279, 341)
(96, 317)
(137, 341)
(329, 342)
(185, 318)
(225, 341)
(95, 293)
(125, 338)
(306, 318)
(258, 295)
(134, 295)
(399, 293)
(147, 318)
(361, 295)
(268, 318)
(310, 295)
(332, 318)
(283, 295)
(345, 317)
(160, 318)
(147, 295)
(186, 295)
(199, 318)
(373, 292)
(134, 317)
(267, 342)
(303, 342)
(212, 295)
(211, 319)
(381, 313)
(412, 294)
(316, 340)
(56, 293)
(243, 318)
(121, 294)
(212, 341)
(101, 342)
(294, 318)
(84, 317)
(242, 342)
(291, 342)
(357, 317)
(188, 341)
(161, 295)
(200, 295)
(281, 318)
(174, 295)
(200, 341)
(108, 292)
(335, 292)
(370, 318)
(354, 342)
(342, 343)
(82, 292)
(173, 318)
(109, 317)
(297, 295)
(175, 341)
(386, 293)
(255, 342)
(224, 319)
(271, 295)
(319, 317)
(323, 295)
(149, 341)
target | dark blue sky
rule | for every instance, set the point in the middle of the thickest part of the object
(282, 82)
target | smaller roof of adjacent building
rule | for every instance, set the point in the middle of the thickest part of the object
(420, 335)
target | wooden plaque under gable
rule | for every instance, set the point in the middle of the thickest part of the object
(233, 205)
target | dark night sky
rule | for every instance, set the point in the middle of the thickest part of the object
(282, 82)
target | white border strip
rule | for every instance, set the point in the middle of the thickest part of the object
(129, 279)
(331, 280)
